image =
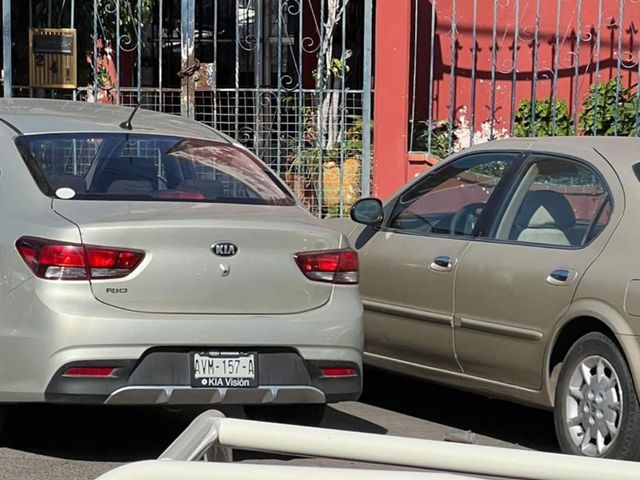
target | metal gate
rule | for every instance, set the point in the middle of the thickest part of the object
(290, 79)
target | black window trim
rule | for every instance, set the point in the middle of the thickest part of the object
(519, 157)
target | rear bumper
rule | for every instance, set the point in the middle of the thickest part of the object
(47, 326)
(163, 378)
(163, 395)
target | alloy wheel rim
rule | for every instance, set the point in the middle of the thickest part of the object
(594, 406)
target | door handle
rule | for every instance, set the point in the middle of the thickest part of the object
(560, 277)
(442, 263)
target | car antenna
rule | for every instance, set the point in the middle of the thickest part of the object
(127, 123)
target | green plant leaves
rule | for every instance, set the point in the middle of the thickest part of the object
(440, 137)
(609, 109)
(551, 118)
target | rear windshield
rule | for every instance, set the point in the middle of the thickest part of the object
(148, 168)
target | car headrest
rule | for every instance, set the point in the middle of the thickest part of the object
(130, 187)
(75, 182)
(545, 208)
(210, 188)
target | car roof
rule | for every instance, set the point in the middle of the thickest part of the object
(31, 116)
(619, 151)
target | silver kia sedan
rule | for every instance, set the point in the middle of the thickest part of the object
(153, 261)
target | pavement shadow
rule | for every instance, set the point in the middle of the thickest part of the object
(105, 434)
(124, 434)
(339, 420)
(498, 419)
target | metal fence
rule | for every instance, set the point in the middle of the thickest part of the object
(290, 79)
(490, 69)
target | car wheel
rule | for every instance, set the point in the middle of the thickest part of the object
(310, 415)
(596, 406)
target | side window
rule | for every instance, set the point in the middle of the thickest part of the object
(558, 202)
(450, 200)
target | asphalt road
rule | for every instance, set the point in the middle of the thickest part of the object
(51, 442)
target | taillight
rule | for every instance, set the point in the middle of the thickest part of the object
(69, 261)
(331, 266)
(339, 372)
(89, 372)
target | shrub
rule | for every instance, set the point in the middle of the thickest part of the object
(544, 119)
(610, 100)
(440, 131)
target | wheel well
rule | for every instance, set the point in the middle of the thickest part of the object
(571, 332)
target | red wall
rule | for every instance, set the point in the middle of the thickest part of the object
(568, 53)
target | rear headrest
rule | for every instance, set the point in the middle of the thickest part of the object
(130, 187)
(124, 168)
(209, 188)
(545, 208)
(74, 182)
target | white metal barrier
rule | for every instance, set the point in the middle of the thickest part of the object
(212, 437)
(163, 470)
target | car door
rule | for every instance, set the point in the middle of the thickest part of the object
(408, 266)
(514, 286)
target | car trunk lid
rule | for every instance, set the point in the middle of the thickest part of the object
(183, 270)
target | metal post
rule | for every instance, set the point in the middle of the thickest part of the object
(536, 46)
(514, 73)
(342, 129)
(619, 66)
(6, 47)
(301, 111)
(554, 84)
(215, 63)
(576, 71)
(236, 120)
(259, 79)
(432, 46)
(187, 27)
(118, 98)
(494, 61)
(279, 97)
(320, 140)
(597, 75)
(474, 61)
(366, 99)
(412, 120)
(95, 51)
(452, 74)
(139, 35)
(160, 37)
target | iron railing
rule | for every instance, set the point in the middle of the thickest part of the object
(488, 69)
(290, 79)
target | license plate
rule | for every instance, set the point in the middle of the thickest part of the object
(224, 370)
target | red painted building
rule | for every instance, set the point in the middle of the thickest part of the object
(562, 48)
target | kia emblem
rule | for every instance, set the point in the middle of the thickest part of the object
(224, 249)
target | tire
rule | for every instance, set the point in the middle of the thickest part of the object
(604, 413)
(309, 415)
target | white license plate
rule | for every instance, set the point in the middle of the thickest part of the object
(223, 370)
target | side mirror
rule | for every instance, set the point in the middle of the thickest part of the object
(368, 211)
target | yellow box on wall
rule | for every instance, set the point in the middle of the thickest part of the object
(53, 58)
